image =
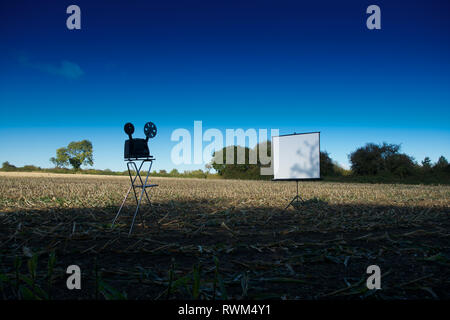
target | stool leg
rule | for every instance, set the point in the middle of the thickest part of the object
(135, 213)
(142, 182)
(134, 180)
(146, 179)
(143, 188)
(138, 202)
(138, 175)
(121, 206)
(126, 196)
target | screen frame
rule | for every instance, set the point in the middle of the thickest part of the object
(296, 179)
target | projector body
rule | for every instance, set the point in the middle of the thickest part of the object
(136, 148)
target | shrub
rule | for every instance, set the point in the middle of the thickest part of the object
(373, 159)
(6, 166)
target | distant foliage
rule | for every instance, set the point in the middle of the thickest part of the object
(253, 171)
(442, 165)
(243, 169)
(373, 159)
(400, 165)
(186, 174)
(372, 163)
(328, 167)
(6, 166)
(426, 163)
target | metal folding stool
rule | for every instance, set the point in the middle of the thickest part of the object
(144, 186)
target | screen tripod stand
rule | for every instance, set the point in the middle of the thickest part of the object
(296, 202)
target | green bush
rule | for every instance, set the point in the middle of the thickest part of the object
(6, 166)
(373, 159)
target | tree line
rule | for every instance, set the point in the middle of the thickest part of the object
(369, 163)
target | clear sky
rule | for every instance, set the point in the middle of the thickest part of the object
(288, 65)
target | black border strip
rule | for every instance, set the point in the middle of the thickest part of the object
(294, 134)
(304, 179)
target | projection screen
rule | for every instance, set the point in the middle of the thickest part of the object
(296, 156)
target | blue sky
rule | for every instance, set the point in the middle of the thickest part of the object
(231, 64)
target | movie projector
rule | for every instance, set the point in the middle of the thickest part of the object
(138, 148)
(135, 151)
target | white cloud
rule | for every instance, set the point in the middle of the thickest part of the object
(65, 68)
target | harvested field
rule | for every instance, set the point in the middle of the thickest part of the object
(218, 239)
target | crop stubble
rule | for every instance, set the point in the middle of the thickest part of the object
(230, 238)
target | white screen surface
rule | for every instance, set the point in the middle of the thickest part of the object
(296, 156)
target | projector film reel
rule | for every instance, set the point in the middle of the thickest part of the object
(150, 130)
(129, 128)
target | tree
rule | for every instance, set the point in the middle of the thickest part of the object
(208, 167)
(400, 165)
(76, 154)
(326, 164)
(373, 159)
(368, 160)
(426, 163)
(234, 170)
(442, 165)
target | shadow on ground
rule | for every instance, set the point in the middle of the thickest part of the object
(196, 250)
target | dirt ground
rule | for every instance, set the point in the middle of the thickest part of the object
(221, 239)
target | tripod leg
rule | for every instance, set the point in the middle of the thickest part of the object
(289, 204)
(296, 199)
